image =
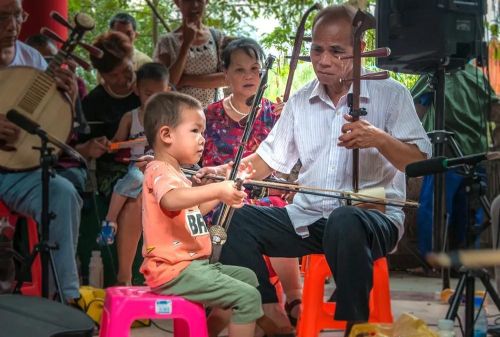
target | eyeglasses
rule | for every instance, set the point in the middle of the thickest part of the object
(20, 17)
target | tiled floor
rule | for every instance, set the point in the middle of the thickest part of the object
(415, 295)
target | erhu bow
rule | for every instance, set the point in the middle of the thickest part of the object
(318, 191)
(297, 46)
(218, 231)
(362, 22)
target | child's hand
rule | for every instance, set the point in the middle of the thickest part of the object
(229, 194)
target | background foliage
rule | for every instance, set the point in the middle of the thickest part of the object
(234, 17)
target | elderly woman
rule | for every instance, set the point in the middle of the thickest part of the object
(192, 54)
(241, 61)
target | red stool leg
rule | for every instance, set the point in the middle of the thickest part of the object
(380, 296)
(33, 288)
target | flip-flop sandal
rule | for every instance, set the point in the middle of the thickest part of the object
(289, 307)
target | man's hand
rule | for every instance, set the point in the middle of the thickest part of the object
(230, 195)
(66, 79)
(278, 106)
(200, 178)
(9, 132)
(360, 134)
(245, 171)
(93, 148)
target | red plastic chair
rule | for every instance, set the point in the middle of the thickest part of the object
(317, 315)
(33, 288)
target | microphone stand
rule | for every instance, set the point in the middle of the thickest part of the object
(45, 247)
(439, 137)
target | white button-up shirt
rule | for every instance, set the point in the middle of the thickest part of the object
(309, 128)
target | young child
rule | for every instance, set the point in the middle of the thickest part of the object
(177, 243)
(151, 78)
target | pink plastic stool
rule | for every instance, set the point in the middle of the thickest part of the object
(124, 305)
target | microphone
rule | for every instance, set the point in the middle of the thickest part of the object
(442, 164)
(25, 123)
(34, 128)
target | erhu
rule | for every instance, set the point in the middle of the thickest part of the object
(362, 21)
(218, 231)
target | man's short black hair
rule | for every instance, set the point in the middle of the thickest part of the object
(123, 17)
(38, 40)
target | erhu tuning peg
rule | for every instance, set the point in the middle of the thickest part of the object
(380, 75)
(94, 51)
(81, 62)
(51, 34)
(84, 21)
(59, 18)
(379, 52)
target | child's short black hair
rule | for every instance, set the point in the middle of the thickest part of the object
(152, 71)
(165, 109)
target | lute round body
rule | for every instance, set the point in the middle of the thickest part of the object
(32, 93)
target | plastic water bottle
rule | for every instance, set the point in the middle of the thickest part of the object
(96, 270)
(445, 328)
(481, 324)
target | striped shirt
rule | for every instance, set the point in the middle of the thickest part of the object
(308, 129)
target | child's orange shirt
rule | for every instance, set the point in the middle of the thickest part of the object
(171, 239)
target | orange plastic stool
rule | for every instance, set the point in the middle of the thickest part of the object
(33, 288)
(317, 315)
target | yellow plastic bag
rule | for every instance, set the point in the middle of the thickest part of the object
(406, 325)
(91, 301)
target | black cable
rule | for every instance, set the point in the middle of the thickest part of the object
(459, 320)
(160, 328)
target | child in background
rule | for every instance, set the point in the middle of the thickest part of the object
(177, 243)
(151, 79)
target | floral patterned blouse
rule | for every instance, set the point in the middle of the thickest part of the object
(223, 134)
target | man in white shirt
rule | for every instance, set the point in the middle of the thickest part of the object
(315, 128)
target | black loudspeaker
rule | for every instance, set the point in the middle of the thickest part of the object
(426, 34)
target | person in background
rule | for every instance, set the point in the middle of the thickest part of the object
(467, 104)
(192, 54)
(242, 59)
(151, 78)
(126, 24)
(106, 104)
(43, 44)
(104, 107)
